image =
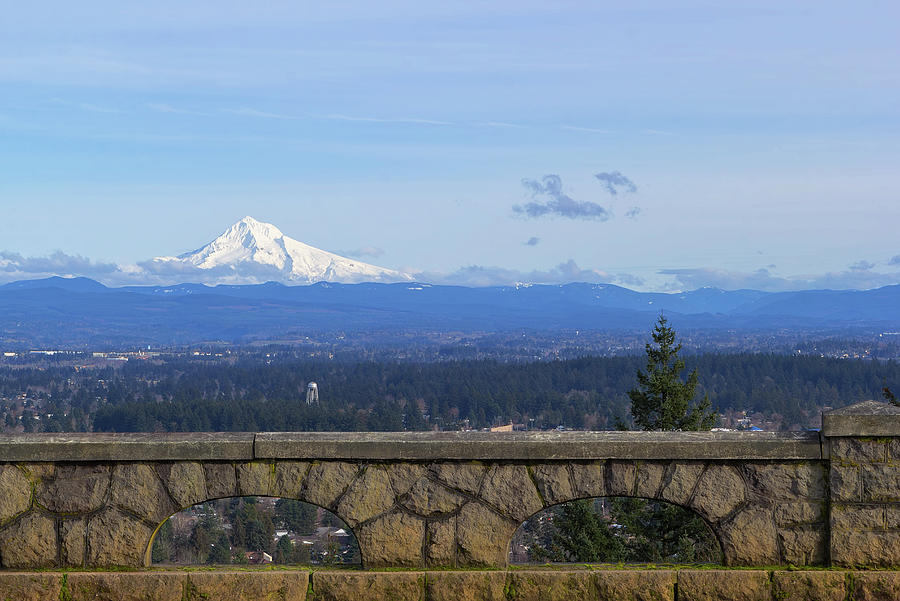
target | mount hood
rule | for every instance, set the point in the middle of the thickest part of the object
(251, 252)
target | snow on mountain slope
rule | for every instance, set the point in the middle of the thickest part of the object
(251, 251)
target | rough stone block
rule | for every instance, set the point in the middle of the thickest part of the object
(29, 542)
(359, 586)
(588, 480)
(554, 585)
(876, 586)
(509, 488)
(369, 495)
(892, 517)
(15, 492)
(466, 586)
(648, 479)
(137, 488)
(404, 475)
(116, 539)
(429, 498)
(74, 488)
(724, 585)
(221, 480)
(248, 586)
(894, 449)
(855, 450)
(553, 482)
(72, 539)
(880, 482)
(719, 491)
(804, 545)
(30, 587)
(787, 480)
(681, 482)
(126, 586)
(254, 478)
(327, 481)
(620, 476)
(857, 517)
(289, 478)
(845, 483)
(466, 477)
(791, 513)
(809, 586)
(392, 540)
(865, 549)
(482, 536)
(186, 482)
(750, 538)
(440, 543)
(636, 585)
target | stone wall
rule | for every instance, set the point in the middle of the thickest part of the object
(496, 585)
(427, 500)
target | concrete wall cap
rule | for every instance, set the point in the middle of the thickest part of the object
(80, 447)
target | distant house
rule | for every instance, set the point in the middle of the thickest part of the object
(257, 557)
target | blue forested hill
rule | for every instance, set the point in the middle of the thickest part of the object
(64, 311)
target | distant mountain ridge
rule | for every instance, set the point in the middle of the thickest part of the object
(252, 251)
(65, 310)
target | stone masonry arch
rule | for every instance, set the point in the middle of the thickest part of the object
(760, 514)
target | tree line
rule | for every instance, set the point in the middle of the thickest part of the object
(256, 393)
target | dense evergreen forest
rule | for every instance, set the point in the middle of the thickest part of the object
(258, 392)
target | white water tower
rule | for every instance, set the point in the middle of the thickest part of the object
(312, 393)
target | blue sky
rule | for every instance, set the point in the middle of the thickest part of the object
(761, 138)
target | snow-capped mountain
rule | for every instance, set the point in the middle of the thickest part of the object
(251, 251)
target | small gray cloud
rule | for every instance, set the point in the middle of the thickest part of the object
(365, 251)
(862, 265)
(549, 199)
(894, 260)
(533, 241)
(633, 212)
(615, 182)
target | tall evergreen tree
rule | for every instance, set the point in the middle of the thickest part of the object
(662, 400)
(583, 535)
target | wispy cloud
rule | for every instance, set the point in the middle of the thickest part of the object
(533, 241)
(591, 130)
(633, 212)
(86, 106)
(551, 200)
(251, 112)
(160, 107)
(411, 120)
(894, 260)
(862, 265)
(501, 124)
(614, 182)
(365, 251)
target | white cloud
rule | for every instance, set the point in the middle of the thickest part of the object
(764, 279)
